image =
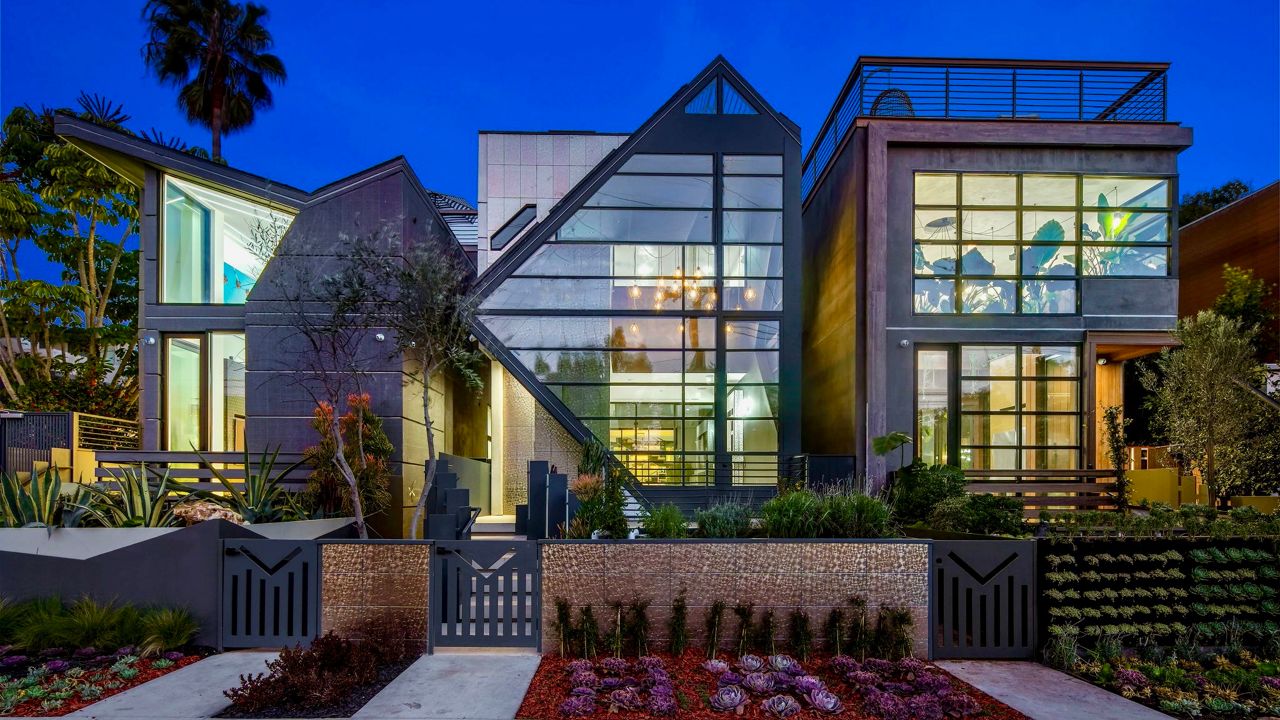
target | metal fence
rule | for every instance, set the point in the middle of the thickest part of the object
(27, 438)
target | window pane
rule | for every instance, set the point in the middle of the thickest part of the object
(751, 334)
(1123, 226)
(658, 191)
(753, 260)
(989, 296)
(227, 392)
(988, 360)
(989, 260)
(935, 225)
(1056, 297)
(1049, 260)
(1125, 260)
(932, 403)
(935, 189)
(981, 225)
(571, 365)
(1050, 459)
(753, 192)
(989, 395)
(515, 332)
(560, 294)
(1050, 430)
(1049, 226)
(186, 248)
(934, 296)
(638, 226)
(989, 458)
(989, 430)
(753, 401)
(1050, 361)
(753, 164)
(747, 294)
(1055, 190)
(183, 380)
(1050, 395)
(990, 189)
(934, 259)
(752, 367)
(752, 227)
(653, 163)
(1126, 192)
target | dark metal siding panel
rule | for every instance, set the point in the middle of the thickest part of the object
(983, 602)
(270, 592)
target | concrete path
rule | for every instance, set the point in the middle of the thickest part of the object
(456, 685)
(1043, 693)
(195, 691)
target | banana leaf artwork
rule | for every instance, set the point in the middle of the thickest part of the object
(1047, 257)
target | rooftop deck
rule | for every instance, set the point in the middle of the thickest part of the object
(955, 89)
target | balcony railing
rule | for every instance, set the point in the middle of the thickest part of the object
(988, 90)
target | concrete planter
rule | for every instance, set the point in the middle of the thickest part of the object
(779, 575)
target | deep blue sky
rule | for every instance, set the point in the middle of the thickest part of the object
(372, 79)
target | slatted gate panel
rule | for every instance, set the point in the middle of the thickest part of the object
(984, 599)
(485, 593)
(270, 592)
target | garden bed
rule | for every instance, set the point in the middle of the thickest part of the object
(822, 687)
(56, 682)
(1211, 688)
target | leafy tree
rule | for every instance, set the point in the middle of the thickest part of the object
(69, 346)
(1200, 395)
(1252, 303)
(367, 449)
(1114, 423)
(1196, 205)
(216, 52)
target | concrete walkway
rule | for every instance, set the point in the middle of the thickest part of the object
(1043, 693)
(456, 685)
(195, 691)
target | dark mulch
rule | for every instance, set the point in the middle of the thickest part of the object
(692, 684)
(347, 708)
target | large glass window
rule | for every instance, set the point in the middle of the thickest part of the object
(1006, 244)
(204, 391)
(214, 245)
(620, 316)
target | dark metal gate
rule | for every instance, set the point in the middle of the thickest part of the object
(270, 592)
(485, 593)
(27, 438)
(984, 599)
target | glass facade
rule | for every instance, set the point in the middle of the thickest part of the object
(1006, 244)
(999, 407)
(214, 245)
(654, 312)
(204, 391)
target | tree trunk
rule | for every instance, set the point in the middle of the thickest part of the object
(215, 123)
(340, 459)
(429, 469)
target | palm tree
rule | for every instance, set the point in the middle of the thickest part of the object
(216, 53)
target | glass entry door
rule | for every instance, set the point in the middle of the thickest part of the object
(204, 392)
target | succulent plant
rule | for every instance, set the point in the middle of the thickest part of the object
(758, 683)
(885, 705)
(751, 663)
(878, 666)
(656, 676)
(650, 662)
(578, 666)
(1268, 681)
(173, 656)
(729, 678)
(578, 706)
(862, 678)
(609, 684)
(823, 700)
(614, 666)
(910, 666)
(782, 681)
(781, 706)
(11, 660)
(625, 699)
(57, 666)
(583, 692)
(1131, 679)
(785, 664)
(126, 650)
(584, 678)
(729, 698)
(806, 684)
(716, 667)
(844, 664)
(663, 688)
(932, 683)
(898, 688)
(662, 705)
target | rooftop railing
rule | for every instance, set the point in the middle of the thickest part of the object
(988, 90)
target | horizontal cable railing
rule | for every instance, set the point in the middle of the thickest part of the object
(194, 471)
(970, 90)
(1048, 490)
(98, 432)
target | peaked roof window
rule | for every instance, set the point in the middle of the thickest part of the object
(730, 102)
(704, 103)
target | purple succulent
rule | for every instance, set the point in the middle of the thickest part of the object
(126, 650)
(878, 666)
(610, 684)
(782, 681)
(932, 684)
(173, 656)
(85, 652)
(751, 663)
(11, 660)
(662, 689)
(1268, 681)
(886, 706)
(716, 667)
(899, 688)
(657, 676)
(729, 678)
(662, 705)
(823, 700)
(806, 684)
(578, 706)
(961, 705)
(625, 699)
(650, 662)
(615, 666)
(728, 699)
(863, 678)
(785, 664)
(910, 666)
(1131, 679)
(781, 706)
(579, 666)
(584, 678)
(57, 666)
(844, 664)
(583, 692)
(758, 683)
(926, 707)
(1200, 681)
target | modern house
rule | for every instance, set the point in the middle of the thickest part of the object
(970, 252)
(986, 244)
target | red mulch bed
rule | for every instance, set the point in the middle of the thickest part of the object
(146, 673)
(551, 686)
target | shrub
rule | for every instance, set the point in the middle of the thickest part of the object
(600, 502)
(919, 487)
(167, 629)
(725, 520)
(792, 514)
(678, 628)
(664, 521)
(852, 515)
(366, 449)
(893, 632)
(319, 676)
(980, 514)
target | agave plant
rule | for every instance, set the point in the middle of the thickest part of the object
(729, 698)
(781, 706)
(136, 501)
(34, 504)
(262, 498)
